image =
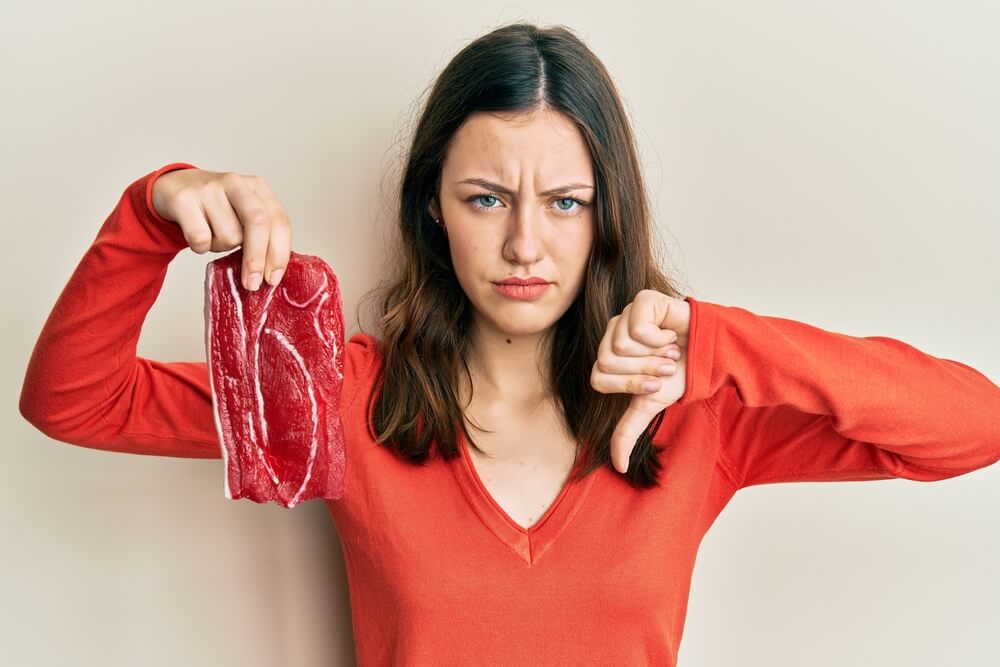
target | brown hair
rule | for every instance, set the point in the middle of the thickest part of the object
(425, 315)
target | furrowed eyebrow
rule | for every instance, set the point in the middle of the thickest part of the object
(554, 191)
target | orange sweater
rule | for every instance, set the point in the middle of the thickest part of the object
(438, 573)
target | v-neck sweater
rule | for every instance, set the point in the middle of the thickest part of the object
(438, 572)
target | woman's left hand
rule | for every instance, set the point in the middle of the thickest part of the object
(650, 332)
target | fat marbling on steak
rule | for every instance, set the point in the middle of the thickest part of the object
(276, 369)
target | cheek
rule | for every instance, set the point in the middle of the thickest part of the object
(574, 260)
(465, 256)
(578, 250)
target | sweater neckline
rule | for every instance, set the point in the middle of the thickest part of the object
(528, 543)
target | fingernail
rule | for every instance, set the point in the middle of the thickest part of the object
(254, 281)
(666, 369)
(650, 385)
(276, 276)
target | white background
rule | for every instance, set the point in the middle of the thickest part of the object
(836, 163)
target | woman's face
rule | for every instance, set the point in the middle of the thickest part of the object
(518, 221)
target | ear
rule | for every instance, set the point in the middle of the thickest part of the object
(434, 209)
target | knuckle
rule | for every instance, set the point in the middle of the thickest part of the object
(214, 191)
(639, 381)
(199, 239)
(200, 244)
(254, 262)
(655, 369)
(231, 179)
(280, 226)
(187, 198)
(257, 218)
(231, 239)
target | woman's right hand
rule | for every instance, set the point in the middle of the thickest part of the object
(219, 211)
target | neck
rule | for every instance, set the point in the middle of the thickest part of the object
(508, 372)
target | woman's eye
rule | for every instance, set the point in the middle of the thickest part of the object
(477, 197)
(564, 205)
(568, 200)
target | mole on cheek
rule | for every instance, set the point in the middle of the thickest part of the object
(508, 340)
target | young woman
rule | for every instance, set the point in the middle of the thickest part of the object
(515, 493)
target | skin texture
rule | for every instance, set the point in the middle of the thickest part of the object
(520, 234)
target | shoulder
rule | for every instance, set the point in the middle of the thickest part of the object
(360, 353)
(361, 356)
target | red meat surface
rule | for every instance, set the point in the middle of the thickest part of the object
(276, 369)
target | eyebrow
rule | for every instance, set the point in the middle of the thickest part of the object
(554, 191)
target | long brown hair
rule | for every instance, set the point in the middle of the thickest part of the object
(424, 314)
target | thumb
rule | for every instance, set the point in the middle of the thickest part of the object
(677, 317)
(640, 412)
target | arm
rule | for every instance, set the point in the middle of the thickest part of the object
(799, 403)
(84, 383)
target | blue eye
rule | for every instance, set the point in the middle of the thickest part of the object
(484, 196)
(569, 199)
(571, 210)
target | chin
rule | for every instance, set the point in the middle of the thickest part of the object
(521, 319)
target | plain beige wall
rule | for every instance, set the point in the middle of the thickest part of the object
(836, 163)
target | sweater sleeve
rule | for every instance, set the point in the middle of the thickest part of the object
(84, 384)
(796, 403)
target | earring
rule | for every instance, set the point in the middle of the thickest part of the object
(442, 226)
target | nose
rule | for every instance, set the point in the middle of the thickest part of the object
(524, 243)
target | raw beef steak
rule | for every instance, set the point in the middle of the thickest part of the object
(276, 368)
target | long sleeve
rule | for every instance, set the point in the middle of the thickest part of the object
(84, 384)
(800, 403)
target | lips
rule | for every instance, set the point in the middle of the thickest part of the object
(523, 281)
(520, 291)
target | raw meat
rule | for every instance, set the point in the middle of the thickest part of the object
(276, 368)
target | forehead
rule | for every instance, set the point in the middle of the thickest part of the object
(491, 144)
